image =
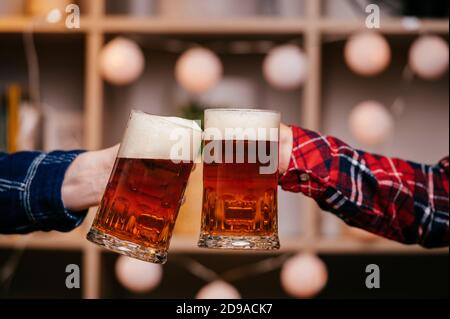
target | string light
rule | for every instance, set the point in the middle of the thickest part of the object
(285, 67)
(367, 53)
(121, 61)
(428, 57)
(304, 276)
(371, 123)
(137, 275)
(218, 290)
(198, 70)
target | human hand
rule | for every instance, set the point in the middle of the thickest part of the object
(86, 178)
(286, 141)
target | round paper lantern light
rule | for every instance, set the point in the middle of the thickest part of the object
(121, 61)
(138, 276)
(218, 290)
(371, 123)
(428, 57)
(304, 276)
(367, 53)
(198, 69)
(285, 67)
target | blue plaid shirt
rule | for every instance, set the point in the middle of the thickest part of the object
(30, 192)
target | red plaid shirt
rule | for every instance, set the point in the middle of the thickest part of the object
(396, 199)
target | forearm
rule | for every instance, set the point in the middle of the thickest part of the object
(400, 200)
(51, 191)
(30, 192)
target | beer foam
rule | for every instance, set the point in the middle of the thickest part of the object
(160, 137)
(242, 124)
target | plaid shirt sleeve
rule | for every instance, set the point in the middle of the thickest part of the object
(393, 198)
(30, 192)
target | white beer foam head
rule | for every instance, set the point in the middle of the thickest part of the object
(241, 124)
(160, 137)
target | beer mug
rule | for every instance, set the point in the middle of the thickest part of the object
(140, 205)
(240, 179)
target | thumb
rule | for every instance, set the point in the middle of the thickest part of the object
(107, 156)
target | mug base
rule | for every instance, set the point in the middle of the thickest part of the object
(239, 242)
(127, 248)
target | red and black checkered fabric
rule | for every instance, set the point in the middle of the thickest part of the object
(397, 199)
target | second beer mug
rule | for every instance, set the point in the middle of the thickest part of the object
(240, 179)
(144, 193)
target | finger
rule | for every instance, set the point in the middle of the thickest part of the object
(106, 157)
(113, 150)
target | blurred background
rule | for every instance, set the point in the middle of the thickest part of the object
(373, 73)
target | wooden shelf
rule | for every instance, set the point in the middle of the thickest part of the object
(263, 25)
(52, 241)
(188, 244)
(392, 26)
(381, 246)
(266, 26)
(22, 24)
(238, 26)
(343, 245)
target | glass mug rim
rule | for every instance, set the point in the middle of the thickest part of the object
(244, 110)
(166, 119)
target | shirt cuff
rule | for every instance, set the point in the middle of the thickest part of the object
(45, 206)
(307, 171)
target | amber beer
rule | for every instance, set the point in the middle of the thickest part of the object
(240, 179)
(141, 202)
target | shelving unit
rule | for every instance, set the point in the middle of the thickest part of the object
(313, 27)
